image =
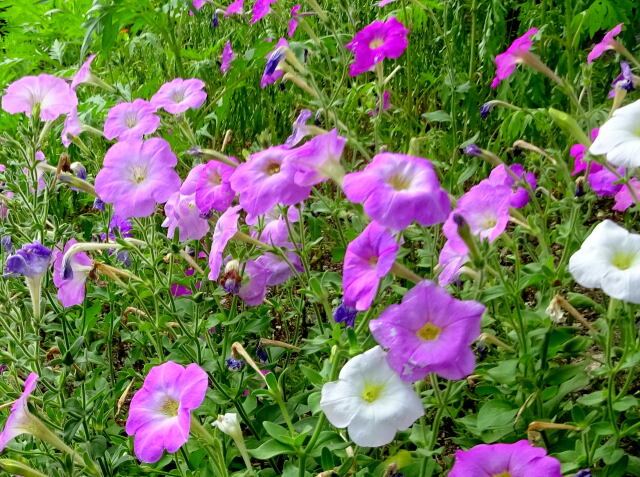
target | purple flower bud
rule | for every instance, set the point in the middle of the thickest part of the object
(234, 364)
(30, 261)
(583, 473)
(123, 257)
(3, 368)
(273, 61)
(6, 243)
(195, 151)
(486, 109)
(262, 355)
(472, 150)
(79, 170)
(98, 204)
(460, 221)
(215, 21)
(345, 314)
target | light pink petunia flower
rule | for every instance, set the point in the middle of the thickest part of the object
(51, 95)
(127, 121)
(179, 95)
(71, 279)
(506, 62)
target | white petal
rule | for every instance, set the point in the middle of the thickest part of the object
(626, 154)
(588, 266)
(340, 401)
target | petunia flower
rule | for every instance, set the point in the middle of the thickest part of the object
(601, 180)
(182, 212)
(160, 412)
(264, 181)
(72, 128)
(397, 189)
(71, 280)
(370, 400)
(506, 62)
(272, 71)
(623, 197)
(453, 255)
(83, 75)
(520, 459)
(382, 3)
(30, 261)
(375, 42)
(137, 175)
(317, 160)
(500, 177)
(211, 185)
(261, 8)
(367, 260)
(274, 226)
(179, 95)
(626, 80)
(254, 283)
(293, 22)
(607, 43)
(131, 121)
(178, 290)
(227, 57)
(198, 4)
(345, 314)
(278, 269)
(48, 94)
(226, 227)
(20, 421)
(429, 332)
(618, 138)
(609, 259)
(235, 7)
(300, 130)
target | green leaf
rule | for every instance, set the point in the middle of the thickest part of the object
(270, 449)
(494, 414)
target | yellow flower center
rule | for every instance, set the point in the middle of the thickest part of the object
(376, 43)
(272, 168)
(623, 260)
(138, 174)
(170, 407)
(399, 183)
(489, 223)
(504, 474)
(215, 179)
(372, 392)
(429, 332)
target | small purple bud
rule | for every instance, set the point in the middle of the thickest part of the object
(472, 150)
(98, 204)
(231, 285)
(123, 257)
(6, 243)
(460, 221)
(345, 314)
(485, 110)
(212, 330)
(3, 368)
(195, 151)
(234, 364)
(215, 21)
(79, 170)
(262, 355)
(583, 473)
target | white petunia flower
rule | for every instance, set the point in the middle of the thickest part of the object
(371, 400)
(228, 423)
(619, 137)
(609, 259)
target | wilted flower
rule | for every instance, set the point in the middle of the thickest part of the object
(226, 227)
(626, 80)
(518, 459)
(345, 314)
(131, 121)
(160, 412)
(429, 332)
(618, 138)
(31, 261)
(472, 150)
(136, 175)
(181, 212)
(317, 160)
(179, 95)
(227, 57)
(607, 43)
(178, 290)
(6, 243)
(261, 8)
(211, 185)
(50, 95)
(70, 279)
(370, 400)
(506, 62)
(98, 204)
(367, 260)
(375, 42)
(486, 109)
(397, 189)
(231, 279)
(609, 259)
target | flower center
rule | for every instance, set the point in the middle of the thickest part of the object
(371, 392)
(170, 407)
(489, 222)
(138, 174)
(636, 131)
(376, 43)
(623, 260)
(215, 178)
(429, 332)
(177, 95)
(131, 120)
(272, 168)
(373, 261)
(399, 183)
(503, 474)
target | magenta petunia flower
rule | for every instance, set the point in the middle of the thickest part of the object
(601, 180)
(131, 121)
(178, 290)
(254, 283)
(20, 420)
(623, 197)
(272, 71)
(397, 189)
(83, 75)
(211, 185)
(51, 95)
(160, 412)
(179, 95)
(181, 212)
(136, 175)
(367, 260)
(293, 22)
(236, 7)
(198, 4)
(429, 332)
(382, 3)
(520, 459)
(227, 57)
(300, 129)
(375, 42)
(506, 62)
(71, 280)
(226, 227)
(72, 127)
(317, 160)
(261, 8)
(263, 181)
(500, 177)
(607, 43)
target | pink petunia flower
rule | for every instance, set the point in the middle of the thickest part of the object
(300, 129)
(83, 75)
(226, 227)
(254, 283)
(178, 290)
(506, 62)
(375, 42)
(272, 71)
(623, 197)
(382, 3)
(198, 4)
(51, 95)
(72, 128)
(397, 189)
(518, 459)
(429, 332)
(601, 180)
(500, 177)
(127, 121)
(20, 421)
(137, 175)
(263, 181)
(71, 279)
(607, 43)
(367, 260)
(293, 22)
(160, 412)
(453, 256)
(211, 185)
(261, 8)
(181, 212)
(179, 95)
(274, 230)
(227, 57)
(317, 160)
(236, 7)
